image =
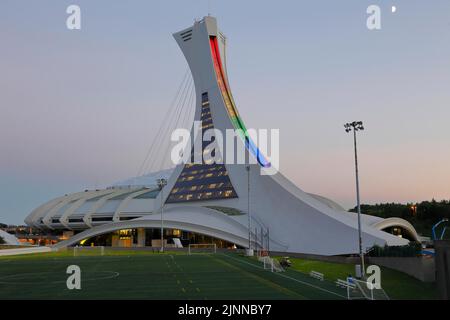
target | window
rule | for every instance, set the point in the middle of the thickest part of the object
(196, 180)
(205, 98)
(228, 193)
(152, 194)
(127, 218)
(102, 219)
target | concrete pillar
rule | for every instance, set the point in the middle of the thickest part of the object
(141, 237)
(115, 240)
(442, 249)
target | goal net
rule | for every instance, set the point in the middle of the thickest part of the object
(271, 264)
(361, 289)
(89, 251)
(202, 248)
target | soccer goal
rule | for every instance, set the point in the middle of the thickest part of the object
(363, 290)
(88, 251)
(271, 264)
(202, 248)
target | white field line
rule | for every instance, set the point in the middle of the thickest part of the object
(4, 279)
(287, 277)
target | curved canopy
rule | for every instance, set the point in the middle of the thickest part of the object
(397, 222)
(199, 220)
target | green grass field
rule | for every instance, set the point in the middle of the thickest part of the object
(147, 275)
(144, 275)
(398, 285)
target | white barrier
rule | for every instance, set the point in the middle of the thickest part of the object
(345, 284)
(316, 275)
(13, 252)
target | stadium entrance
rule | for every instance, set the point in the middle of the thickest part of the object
(143, 237)
(400, 232)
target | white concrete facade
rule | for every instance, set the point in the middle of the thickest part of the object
(297, 221)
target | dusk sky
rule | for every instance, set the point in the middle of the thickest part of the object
(79, 109)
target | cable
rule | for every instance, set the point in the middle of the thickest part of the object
(177, 117)
(150, 150)
(169, 129)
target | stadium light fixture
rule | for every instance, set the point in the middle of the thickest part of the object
(161, 184)
(357, 126)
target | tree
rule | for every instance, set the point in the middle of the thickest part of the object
(2, 241)
(422, 215)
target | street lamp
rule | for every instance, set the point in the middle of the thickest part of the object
(161, 184)
(357, 126)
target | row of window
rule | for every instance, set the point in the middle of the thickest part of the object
(207, 126)
(198, 169)
(203, 181)
(206, 120)
(202, 176)
(202, 196)
(99, 219)
(202, 187)
(206, 115)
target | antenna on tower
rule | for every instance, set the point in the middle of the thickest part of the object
(209, 8)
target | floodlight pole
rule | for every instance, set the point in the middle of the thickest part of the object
(248, 208)
(161, 184)
(355, 126)
(162, 222)
(361, 254)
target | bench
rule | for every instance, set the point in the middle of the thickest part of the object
(316, 275)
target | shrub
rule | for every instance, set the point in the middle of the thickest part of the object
(413, 249)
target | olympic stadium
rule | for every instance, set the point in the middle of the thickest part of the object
(214, 202)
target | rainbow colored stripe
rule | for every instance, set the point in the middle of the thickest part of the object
(231, 106)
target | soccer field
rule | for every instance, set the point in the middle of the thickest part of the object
(144, 275)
